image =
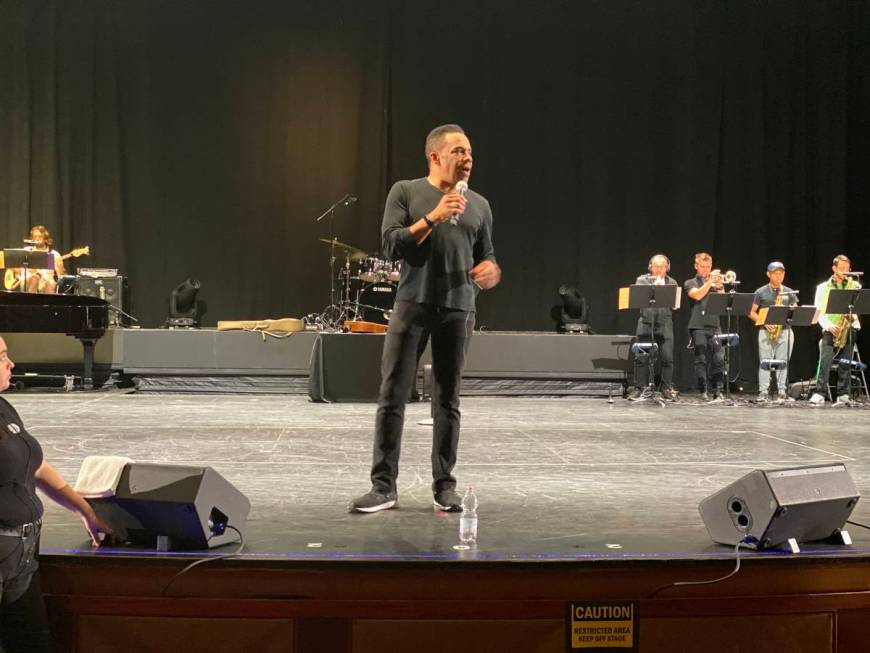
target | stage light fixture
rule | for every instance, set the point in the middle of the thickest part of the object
(573, 315)
(184, 310)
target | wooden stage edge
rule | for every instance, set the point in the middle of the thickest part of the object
(782, 604)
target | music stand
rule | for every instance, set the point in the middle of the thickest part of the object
(27, 259)
(643, 296)
(728, 304)
(787, 316)
(850, 302)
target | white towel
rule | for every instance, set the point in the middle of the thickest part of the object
(99, 475)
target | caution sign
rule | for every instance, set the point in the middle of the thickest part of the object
(602, 626)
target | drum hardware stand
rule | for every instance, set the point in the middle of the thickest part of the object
(333, 308)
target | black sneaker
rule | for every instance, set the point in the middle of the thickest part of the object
(372, 501)
(447, 501)
(669, 394)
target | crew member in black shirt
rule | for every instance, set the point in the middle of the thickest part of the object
(23, 622)
(702, 328)
(442, 231)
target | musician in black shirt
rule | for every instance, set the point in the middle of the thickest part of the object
(703, 327)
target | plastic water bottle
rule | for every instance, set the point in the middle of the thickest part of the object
(468, 519)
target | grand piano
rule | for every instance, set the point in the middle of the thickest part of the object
(84, 318)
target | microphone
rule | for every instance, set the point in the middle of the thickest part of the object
(348, 200)
(845, 274)
(29, 242)
(461, 188)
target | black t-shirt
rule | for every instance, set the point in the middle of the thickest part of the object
(20, 457)
(699, 318)
(436, 270)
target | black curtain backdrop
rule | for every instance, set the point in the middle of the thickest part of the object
(202, 137)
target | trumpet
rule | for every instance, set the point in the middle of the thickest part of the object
(719, 279)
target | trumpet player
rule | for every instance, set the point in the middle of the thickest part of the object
(703, 328)
(774, 341)
(655, 325)
(835, 340)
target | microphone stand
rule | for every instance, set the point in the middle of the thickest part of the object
(728, 310)
(653, 354)
(344, 201)
(789, 319)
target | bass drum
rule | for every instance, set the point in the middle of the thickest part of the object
(376, 302)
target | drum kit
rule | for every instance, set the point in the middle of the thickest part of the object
(365, 293)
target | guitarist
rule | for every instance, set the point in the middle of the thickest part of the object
(42, 281)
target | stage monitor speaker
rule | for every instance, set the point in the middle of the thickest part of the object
(773, 506)
(192, 505)
(112, 289)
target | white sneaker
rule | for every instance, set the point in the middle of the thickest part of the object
(762, 398)
(843, 400)
(817, 399)
(786, 399)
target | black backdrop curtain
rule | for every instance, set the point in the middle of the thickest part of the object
(202, 137)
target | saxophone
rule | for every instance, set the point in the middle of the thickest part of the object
(845, 323)
(773, 336)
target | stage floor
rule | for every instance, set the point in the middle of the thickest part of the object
(561, 479)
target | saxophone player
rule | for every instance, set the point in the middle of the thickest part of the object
(835, 329)
(774, 341)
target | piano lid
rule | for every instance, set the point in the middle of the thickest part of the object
(9, 298)
(75, 315)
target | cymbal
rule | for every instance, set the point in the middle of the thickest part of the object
(351, 252)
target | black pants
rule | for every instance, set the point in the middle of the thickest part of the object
(664, 337)
(450, 331)
(23, 620)
(708, 352)
(826, 359)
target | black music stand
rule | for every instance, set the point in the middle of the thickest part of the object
(787, 316)
(729, 304)
(642, 296)
(27, 259)
(851, 302)
(848, 301)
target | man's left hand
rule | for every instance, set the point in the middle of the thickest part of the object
(486, 274)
